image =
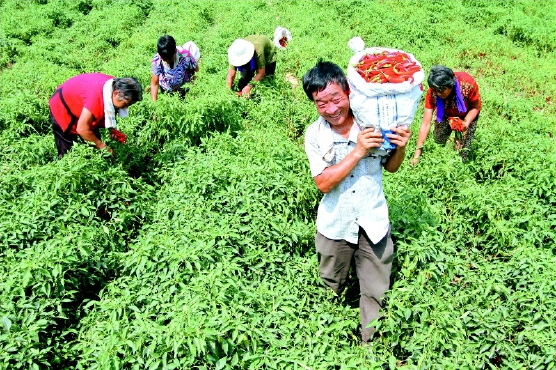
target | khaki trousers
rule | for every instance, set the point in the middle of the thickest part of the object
(373, 264)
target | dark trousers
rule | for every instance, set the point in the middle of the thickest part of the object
(462, 143)
(65, 140)
(246, 77)
(373, 264)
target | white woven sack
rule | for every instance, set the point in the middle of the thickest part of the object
(279, 33)
(374, 89)
(385, 111)
(383, 104)
(193, 50)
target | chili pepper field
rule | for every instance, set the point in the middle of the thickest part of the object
(193, 248)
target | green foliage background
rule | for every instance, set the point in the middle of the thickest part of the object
(194, 247)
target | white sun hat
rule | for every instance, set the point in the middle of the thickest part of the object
(240, 52)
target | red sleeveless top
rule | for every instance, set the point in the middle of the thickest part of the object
(81, 91)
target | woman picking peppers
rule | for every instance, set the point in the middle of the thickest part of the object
(87, 102)
(456, 99)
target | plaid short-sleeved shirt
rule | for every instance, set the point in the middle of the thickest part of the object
(358, 201)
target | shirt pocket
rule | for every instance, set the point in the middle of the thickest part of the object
(371, 165)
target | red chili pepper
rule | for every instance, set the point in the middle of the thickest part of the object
(392, 67)
(396, 79)
(384, 64)
(399, 58)
(456, 124)
(399, 69)
(413, 70)
(364, 65)
(388, 70)
(119, 136)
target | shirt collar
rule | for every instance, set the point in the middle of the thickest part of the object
(177, 57)
(353, 131)
(109, 109)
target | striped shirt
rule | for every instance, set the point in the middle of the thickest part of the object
(357, 201)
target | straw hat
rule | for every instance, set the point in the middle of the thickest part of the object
(240, 52)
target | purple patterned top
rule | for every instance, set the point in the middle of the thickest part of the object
(171, 79)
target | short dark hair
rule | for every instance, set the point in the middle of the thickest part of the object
(166, 47)
(441, 77)
(128, 88)
(321, 75)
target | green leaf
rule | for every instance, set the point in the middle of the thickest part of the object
(407, 313)
(6, 323)
(220, 364)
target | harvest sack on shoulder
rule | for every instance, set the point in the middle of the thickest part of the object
(383, 105)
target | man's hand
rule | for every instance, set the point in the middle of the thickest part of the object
(246, 91)
(366, 140)
(400, 136)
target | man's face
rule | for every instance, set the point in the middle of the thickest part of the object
(333, 104)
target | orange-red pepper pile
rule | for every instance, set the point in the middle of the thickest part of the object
(456, 124)
(387, 66)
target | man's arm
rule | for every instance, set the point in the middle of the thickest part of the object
(230, 78)
(333, 175)
(260, 74)
(400, 138)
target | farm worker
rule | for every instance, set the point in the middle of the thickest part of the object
(87, 102)
(352, 219)
(173, 66)
(452, 95)
(254, 57)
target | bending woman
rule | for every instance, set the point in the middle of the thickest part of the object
(171, 68)
(451, 95)
(87, 102)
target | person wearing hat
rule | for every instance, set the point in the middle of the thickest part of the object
(87, 102)
(172, 67)
(254, 57)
